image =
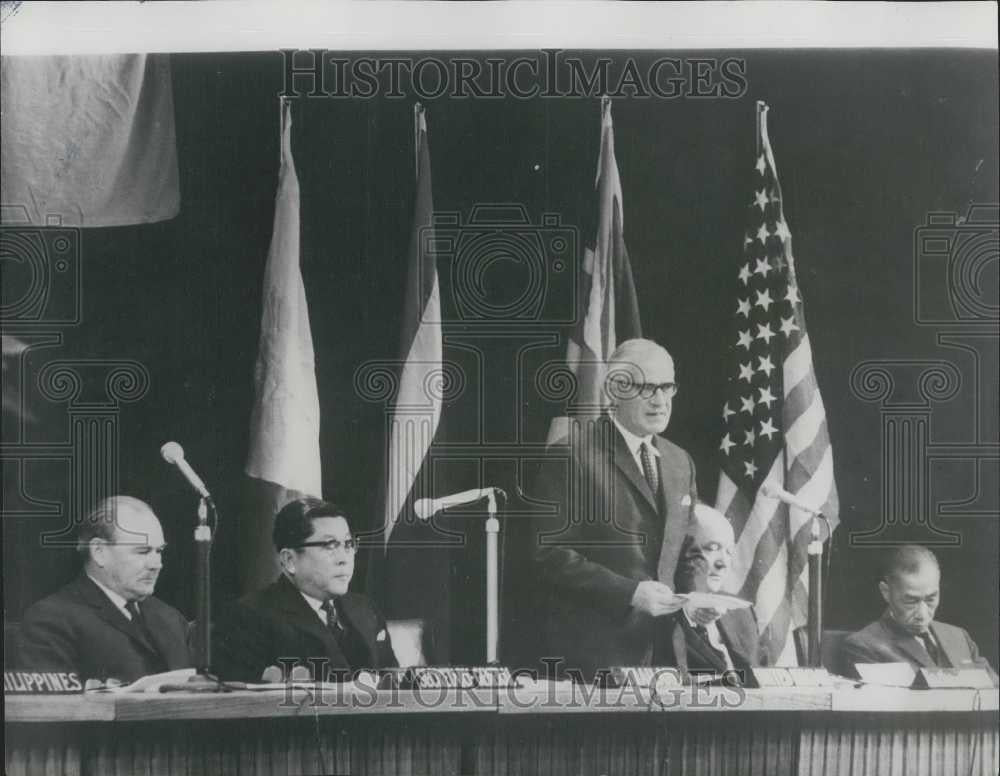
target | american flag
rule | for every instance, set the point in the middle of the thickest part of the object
(774, 421)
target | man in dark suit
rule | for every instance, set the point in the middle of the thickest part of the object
(107, 623)
(708, 640)
(307, 616)
(907, 631)
(622, 496)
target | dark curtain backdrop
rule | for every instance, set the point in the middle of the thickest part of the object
(866, 144)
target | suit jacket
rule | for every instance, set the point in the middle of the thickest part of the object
(276, 622)
(883, 641)
(738, 629)
(604, 533)
(78, 628)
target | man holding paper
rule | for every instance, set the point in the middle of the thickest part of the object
(711, 633)
(622, 496)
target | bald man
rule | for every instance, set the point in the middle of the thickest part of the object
(700, 640)
(106, 623)
(907, 631)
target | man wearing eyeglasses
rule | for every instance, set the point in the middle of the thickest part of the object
(106, 623)
(307, 616)
(606, 555)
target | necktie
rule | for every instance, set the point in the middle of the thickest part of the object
(702, 631)
(931, 647)
(333, 619)
(140, 622)
(649, 468)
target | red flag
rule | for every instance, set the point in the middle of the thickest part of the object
(284, 458)
(611, 309)
(775, 423)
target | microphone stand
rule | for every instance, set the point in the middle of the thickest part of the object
(815, 615)
(492, 582)
(203, 680)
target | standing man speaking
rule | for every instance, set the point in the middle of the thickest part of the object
(622, 496)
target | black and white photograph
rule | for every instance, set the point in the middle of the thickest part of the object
(500, 388)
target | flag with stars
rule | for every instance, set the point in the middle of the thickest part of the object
(774, 422)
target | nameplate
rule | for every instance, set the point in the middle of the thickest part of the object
(459, 677)
(936, 678)
(658, 677)
(797, 676)
(40, 683)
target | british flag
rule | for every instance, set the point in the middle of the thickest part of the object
(774, 421)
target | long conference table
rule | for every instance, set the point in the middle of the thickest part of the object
(541, 729)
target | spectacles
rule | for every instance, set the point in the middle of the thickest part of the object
(332, 545)
(647, 390)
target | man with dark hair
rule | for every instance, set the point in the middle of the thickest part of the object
(622, 495)
(106, 623)
(707, 640)
(907, 632)
(307, 616)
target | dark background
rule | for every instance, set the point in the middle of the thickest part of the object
(866, 143)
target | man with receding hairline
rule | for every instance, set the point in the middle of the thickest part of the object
(708, 640)
(907, 632)
(622, 495)
(107, 623)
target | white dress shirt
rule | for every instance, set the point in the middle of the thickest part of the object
(635, 444)
(116, 599)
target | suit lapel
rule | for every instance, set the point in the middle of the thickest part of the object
(950, 649)
(701, 647)
(352, 617)
(626, 464)
(732, 636)
(112, 615)
(907, 643)
(301, 614)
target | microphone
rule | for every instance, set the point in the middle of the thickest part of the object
(425, 507)
(173, 453)
(775, 491)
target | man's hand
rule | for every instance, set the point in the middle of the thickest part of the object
(705, 615)
(655, 598)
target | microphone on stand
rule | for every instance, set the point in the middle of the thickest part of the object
(775, 491)
(425, 507)
(814, 618)
(173, 454)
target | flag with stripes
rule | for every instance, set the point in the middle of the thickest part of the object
(774, 422)
(611, 309)
(417, 409)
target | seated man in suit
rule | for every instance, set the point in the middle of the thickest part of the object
(705, 640)
(306, 615)
(106, 623)
(907, 631)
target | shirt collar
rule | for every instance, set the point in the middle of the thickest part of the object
(635, 442)
(116, 599)
(315, 604)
